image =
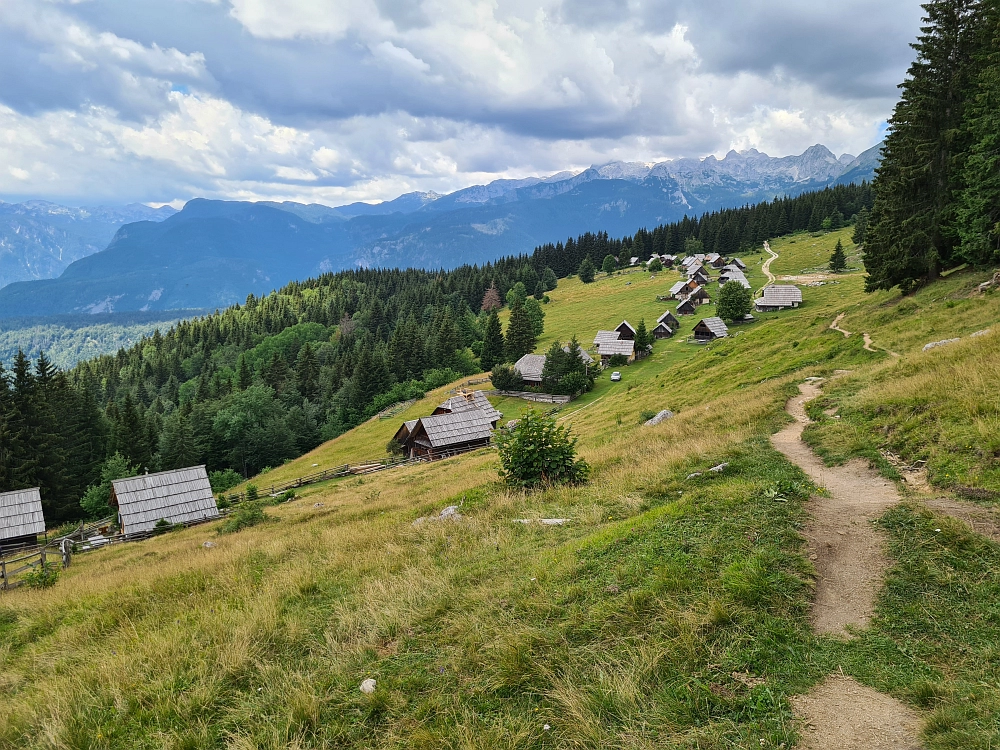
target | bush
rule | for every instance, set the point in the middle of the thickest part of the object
(394, 447)
(42, 577)
(539, 452)
(618, 360)
(575, 383)
(224, 480)
(645, 415)
(223, 501)
(162, 527)
(655, 266)
(504, 378)
(251, 492)
(247, 515)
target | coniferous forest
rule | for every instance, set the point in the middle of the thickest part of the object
(937, 190)
(262, 382)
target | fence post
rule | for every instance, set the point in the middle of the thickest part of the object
(3, 573)
(43, 559)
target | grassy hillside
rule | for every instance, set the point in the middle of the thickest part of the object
(623, 627)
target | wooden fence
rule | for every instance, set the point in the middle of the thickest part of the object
(540, 398)
(13, 569)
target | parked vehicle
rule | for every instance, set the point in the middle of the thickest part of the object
(616, 376)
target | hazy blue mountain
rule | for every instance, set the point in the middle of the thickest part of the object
(214, 253)
(38, 240)
(863, 167)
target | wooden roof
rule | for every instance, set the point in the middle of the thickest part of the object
(603, 336)
(610, 348)
(176, 496)
(529, 367)
(678, 287)
(465, 401)
(781, 296)
(21, 513)
(712, 326)
(686, 307)
(443, 430)
(626, 325)
(736, 276)
(668, 318)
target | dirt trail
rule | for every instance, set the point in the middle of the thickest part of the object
(841, 714)
(845, 547)
(835, 325)
(869, 344)
(766, 268)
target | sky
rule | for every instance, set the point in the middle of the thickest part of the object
(333, 101)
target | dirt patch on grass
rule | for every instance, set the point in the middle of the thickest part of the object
(807, 278)
(985, 521)
(845, 547)
(842, 714)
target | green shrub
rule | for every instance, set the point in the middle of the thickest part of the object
(504, 378)
(223, 501)
(41, 577)
(162, 527)
(539, 452)
(251, 493)
(394, 447)
(618, 360)
(645, 415)
(247, 515)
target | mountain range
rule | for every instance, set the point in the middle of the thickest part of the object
(214, 253)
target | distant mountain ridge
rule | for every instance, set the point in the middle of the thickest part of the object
(214, 253)
(38, 239)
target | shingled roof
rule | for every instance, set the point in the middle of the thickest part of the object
(711, 327)
(610, 348)
(587, 359)
(780, 296)
(443, 430)
(603, 336)
(176, 496)
(21, 514)
(465, 402)
(530, 366)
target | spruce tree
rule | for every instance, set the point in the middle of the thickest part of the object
(838, 261)
(860, 227)
(642, 338)
(978, 215)
(307, 371)
(520, 338)
(910, 236)
(586, 271)
(556, 361)
(492, 351)
(243, 377)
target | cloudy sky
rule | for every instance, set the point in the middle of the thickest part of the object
(338, 100)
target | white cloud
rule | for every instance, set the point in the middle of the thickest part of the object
(340, 100)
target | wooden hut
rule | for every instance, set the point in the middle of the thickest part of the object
(663, 331)
(699, 296)
(669, 319)
(779, 297)
(21, 519)
(530, 367)
(710, 329)
(603, 336)
(687, 307)
(609, 349)
(177, 496)
(625, 331)
(443, 435)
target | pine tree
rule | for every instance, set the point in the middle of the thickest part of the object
(556, 361)
(307, 371)
(978, 216)
(838, 261)
(520, 338)
(860, 227)
(243, 377)
(642, 338)
(586, 271)
(493, 345)
(910, 236)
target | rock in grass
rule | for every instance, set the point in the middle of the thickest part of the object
(935, 344)
(721, 467)
(368, 686)
(663, 415)
(979, 333)
(695, 474)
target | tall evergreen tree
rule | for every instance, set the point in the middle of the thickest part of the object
(520, 339)
(493, 345)
(910, 236)
(307, 371)
(642, 339)
(244, 379)
(978, 215)
(838, 261)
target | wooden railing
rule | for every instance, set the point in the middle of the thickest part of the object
(14, 568)
(540, 398)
